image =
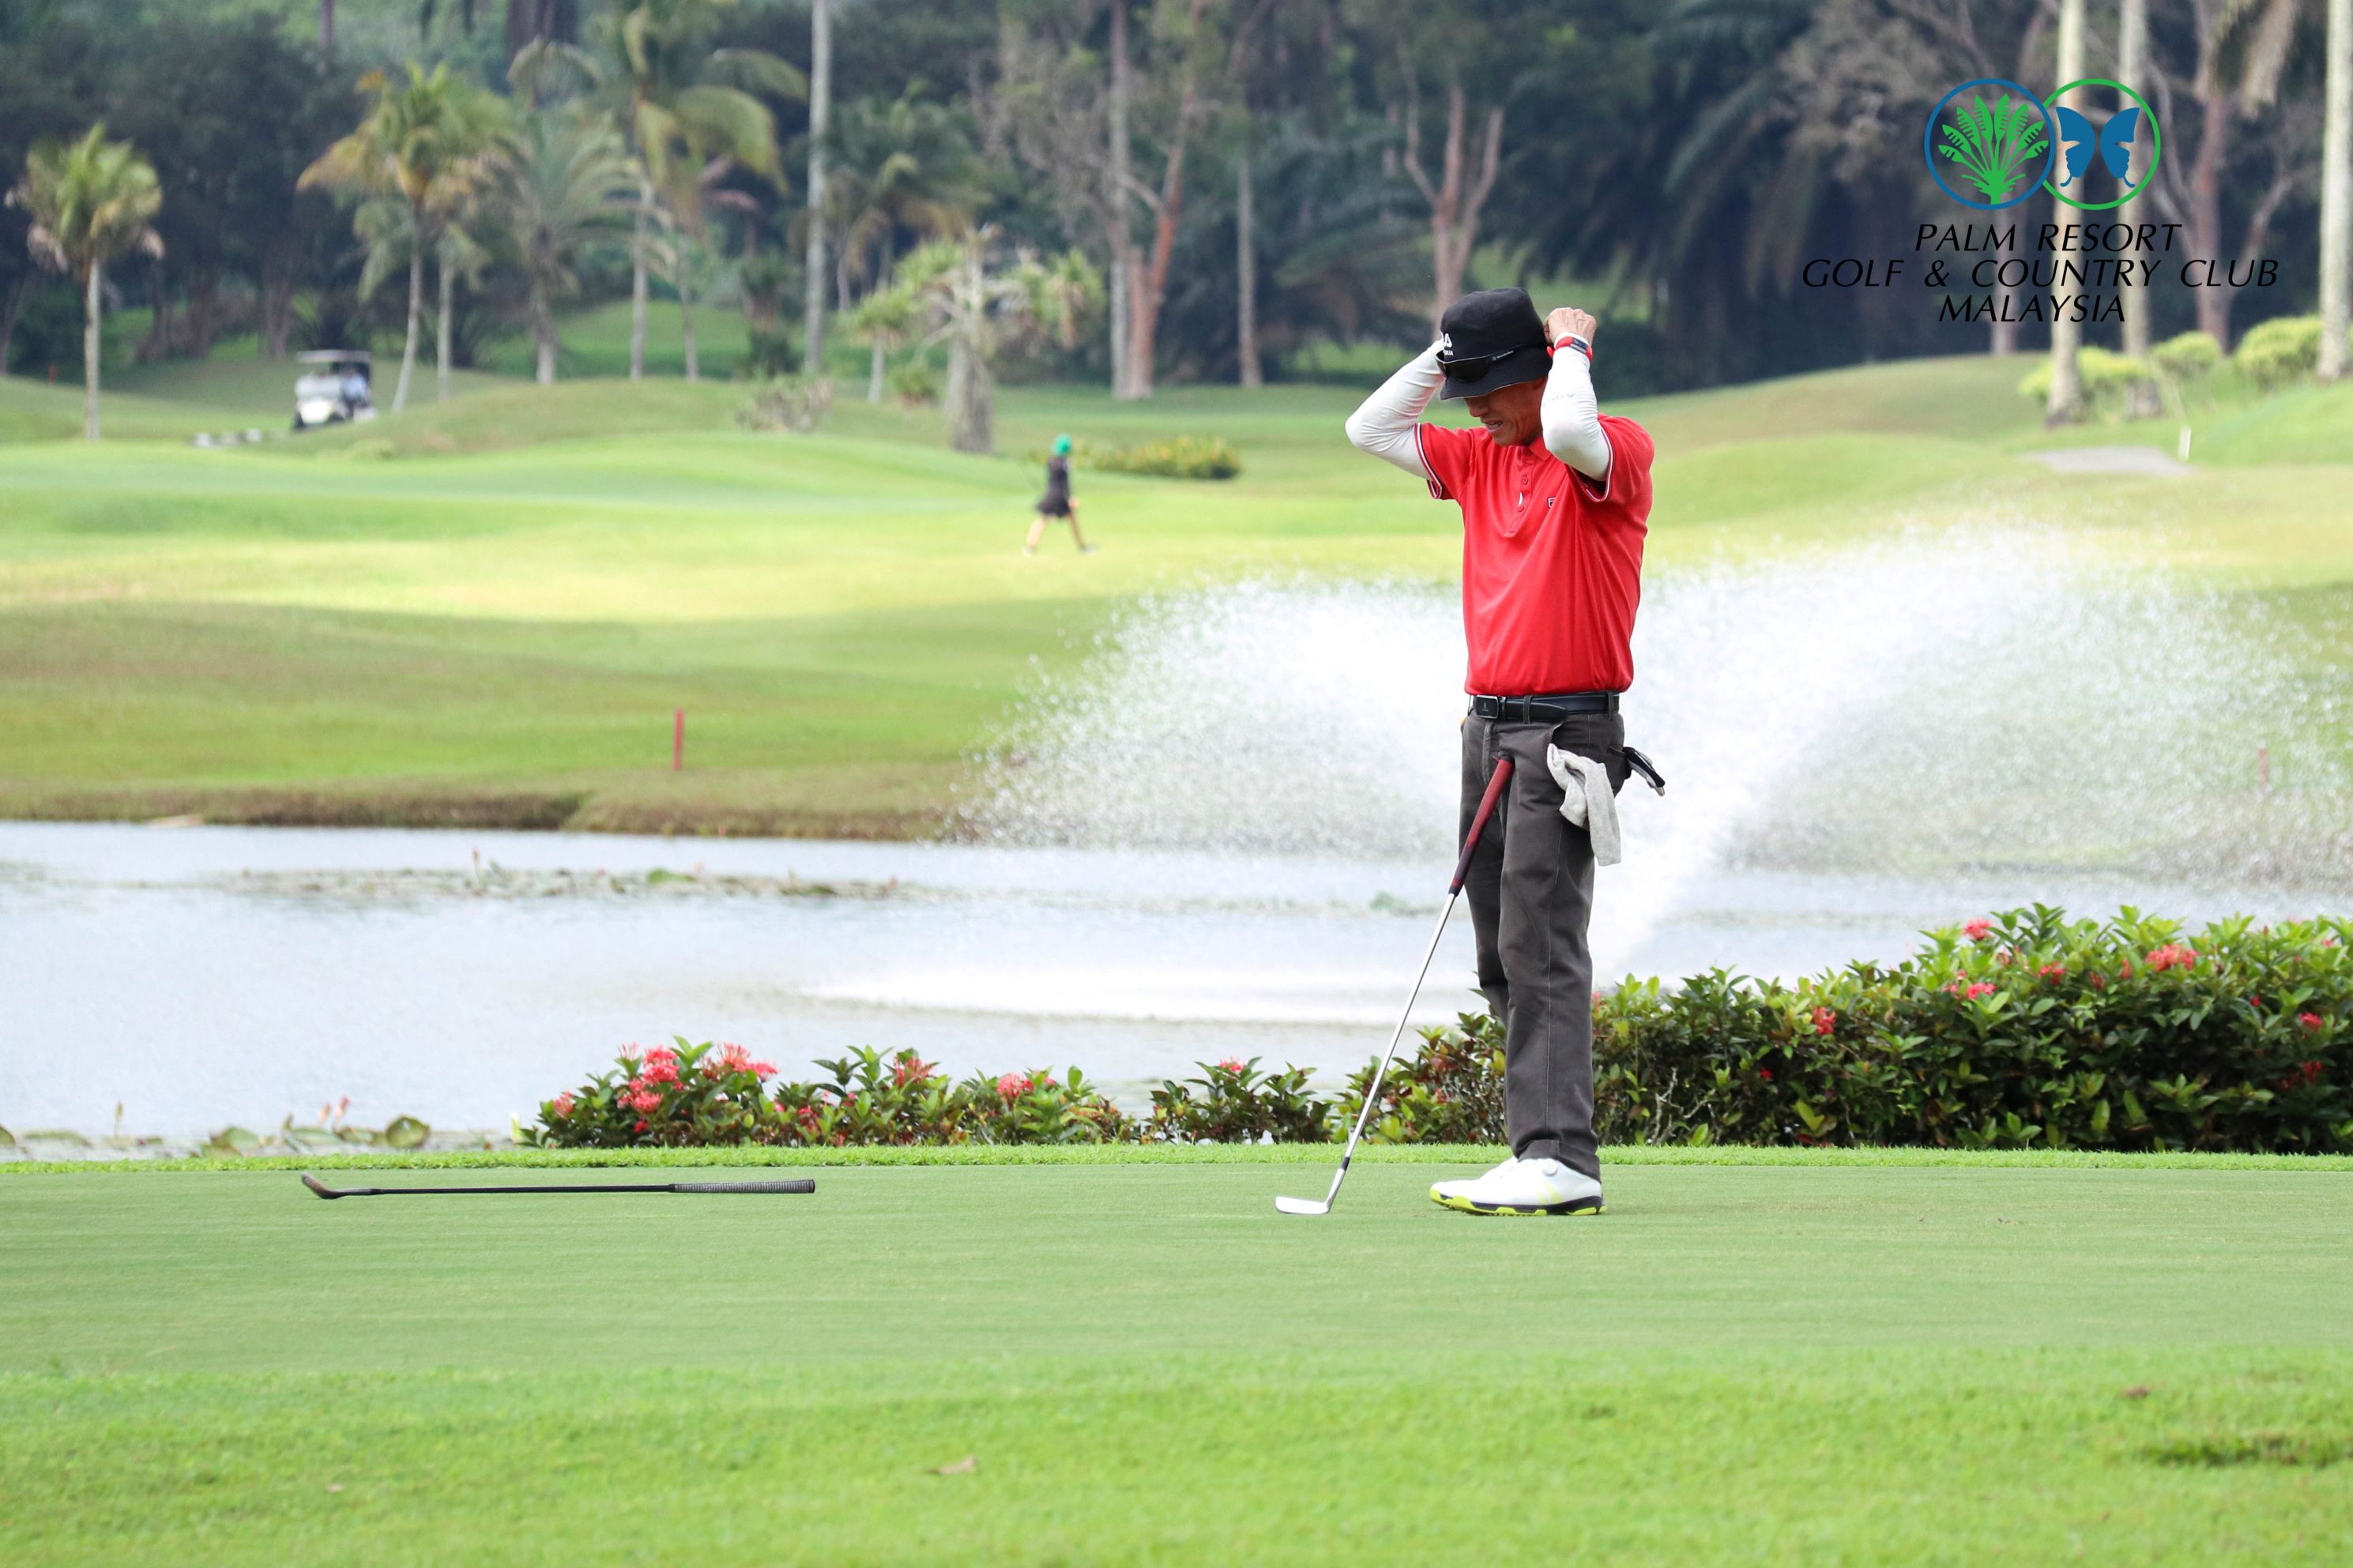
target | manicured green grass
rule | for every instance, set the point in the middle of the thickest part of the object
(486, 611)
(1145, 1363)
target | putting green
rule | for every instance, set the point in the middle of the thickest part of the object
(1146, 1363)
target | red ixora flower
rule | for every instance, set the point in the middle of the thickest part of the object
(1764, 1073)
(640, 1127)
(564, 1104)
(1977, 930)
(2054, 972)
(1233, 1065)
(1983, 988)
(735, 1059)
(641, 1099)
(2173, 956)
(910, 1068)
(1825, 1021)
(1013, 1086)
(2311, 1021)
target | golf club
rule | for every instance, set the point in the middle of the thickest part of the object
(802, 1185)
(1495, 793)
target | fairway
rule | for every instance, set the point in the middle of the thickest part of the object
(1145, 1363)
(485, 612)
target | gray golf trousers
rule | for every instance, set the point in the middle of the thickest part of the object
(1531, 891)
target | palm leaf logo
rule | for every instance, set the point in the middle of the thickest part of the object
(1995, 142)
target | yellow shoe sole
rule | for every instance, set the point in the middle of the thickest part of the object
(1464, 1205)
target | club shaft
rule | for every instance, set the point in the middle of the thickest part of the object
(793, 1186)
(1373, 1093)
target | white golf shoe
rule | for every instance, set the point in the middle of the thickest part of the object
(1523, 1186)
(1447, 1192)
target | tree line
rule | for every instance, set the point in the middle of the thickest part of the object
(1240, 181)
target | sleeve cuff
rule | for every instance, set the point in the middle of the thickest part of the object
(1437, 486)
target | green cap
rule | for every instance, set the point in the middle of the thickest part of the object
(1062, 446)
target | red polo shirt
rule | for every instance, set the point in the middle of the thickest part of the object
(1552, 565)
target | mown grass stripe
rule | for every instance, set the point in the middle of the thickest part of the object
(1194, 1154)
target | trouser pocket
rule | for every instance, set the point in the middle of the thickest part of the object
(1601, 737)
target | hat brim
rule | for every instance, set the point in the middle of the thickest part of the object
(1532, 363)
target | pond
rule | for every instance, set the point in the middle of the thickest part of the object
(203, 976)
(1224, 834)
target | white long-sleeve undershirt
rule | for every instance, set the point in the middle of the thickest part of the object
(1386, 425)
(1572, 416)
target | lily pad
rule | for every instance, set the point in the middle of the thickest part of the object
(235, 1141)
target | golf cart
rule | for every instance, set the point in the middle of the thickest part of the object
(332, 388)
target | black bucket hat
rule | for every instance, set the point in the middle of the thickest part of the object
(1489, 340)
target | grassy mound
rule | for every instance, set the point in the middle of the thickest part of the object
(483, 610)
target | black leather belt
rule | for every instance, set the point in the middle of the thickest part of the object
(1535, 710)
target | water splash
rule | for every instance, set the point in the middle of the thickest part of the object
(1934, 703)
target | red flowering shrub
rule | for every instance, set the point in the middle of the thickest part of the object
(1449, 1092)
(696, 1094)
(2169, 1052)
(1233, 1103)
(685, 1095)
(2128, 1038)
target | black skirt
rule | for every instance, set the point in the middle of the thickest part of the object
(1056, 501)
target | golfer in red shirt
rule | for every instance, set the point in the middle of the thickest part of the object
(1555, 499)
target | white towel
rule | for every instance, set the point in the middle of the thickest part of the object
(1587, 800)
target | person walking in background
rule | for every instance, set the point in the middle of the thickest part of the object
(1555, 500)
(1057, 501)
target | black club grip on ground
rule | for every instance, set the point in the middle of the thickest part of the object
(803, 1186)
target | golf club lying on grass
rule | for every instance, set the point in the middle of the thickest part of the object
(802, 1185)
(1495, 793)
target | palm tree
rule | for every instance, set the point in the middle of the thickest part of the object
(681, 103)
(89, 201)
(568, 184)
(2066, 401)
(904, 164)
(431, 139)
(2336, 193)
(885, 319)
(976, 302)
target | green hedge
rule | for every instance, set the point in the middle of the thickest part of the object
(2020, 1030)
(1178, 458)
(2024, 1028)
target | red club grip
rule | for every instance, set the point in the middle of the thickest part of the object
(1495, 783)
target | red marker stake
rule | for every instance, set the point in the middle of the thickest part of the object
(678, 740)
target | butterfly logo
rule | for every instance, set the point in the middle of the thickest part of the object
(2114, 140)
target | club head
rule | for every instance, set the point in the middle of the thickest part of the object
(1302, 1205)
(319, 1187)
